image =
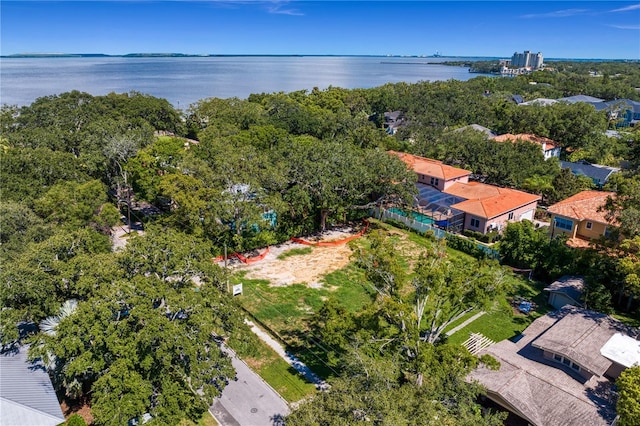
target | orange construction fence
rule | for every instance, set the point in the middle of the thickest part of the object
(243, 259)
(249, 260)
(333, 243)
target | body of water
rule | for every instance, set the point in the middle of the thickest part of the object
(186, 80)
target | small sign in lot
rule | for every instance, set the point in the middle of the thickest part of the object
(237, 289)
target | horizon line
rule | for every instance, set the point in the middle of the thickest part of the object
(178, 54)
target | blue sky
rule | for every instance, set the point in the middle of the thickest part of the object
(586, 29)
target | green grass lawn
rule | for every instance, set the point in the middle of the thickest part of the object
(628, 320)
(503, 321)
(295, 252)
(280, 375)
(497, 325)
(286, 311)
(461, 320)
(206, 420)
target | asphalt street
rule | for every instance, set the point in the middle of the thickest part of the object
(248, 401)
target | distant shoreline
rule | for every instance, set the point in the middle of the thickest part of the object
(213, 55)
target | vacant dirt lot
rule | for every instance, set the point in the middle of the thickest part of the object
(305, 268)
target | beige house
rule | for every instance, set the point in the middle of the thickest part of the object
(561, 370)
(581, 217)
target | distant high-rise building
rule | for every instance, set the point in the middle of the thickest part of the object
(527, 59)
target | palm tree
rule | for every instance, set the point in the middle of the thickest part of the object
(49, 325)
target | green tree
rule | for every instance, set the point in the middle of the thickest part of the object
(74, 204)
(446, 289)
(146, 340)
(36, 284)
(628, 406)
(522, 245)
(28, 173)
(373, 391)
(383, 269)
(565, 184)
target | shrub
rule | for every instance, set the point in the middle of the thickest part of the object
(464, 245)
(76, 420)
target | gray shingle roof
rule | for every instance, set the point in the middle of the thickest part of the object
(580, 98)
(542, 391)
(618, 104)
(490, 133)
(579, 335)
(599, 174)
(570, 285)
(27, 396)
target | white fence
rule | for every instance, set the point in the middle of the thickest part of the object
(424, 227)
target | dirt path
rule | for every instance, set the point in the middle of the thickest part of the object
(301, 268)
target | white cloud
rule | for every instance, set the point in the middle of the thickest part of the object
(279, 8)
(557, 13)
(627, 8)
(626, 27)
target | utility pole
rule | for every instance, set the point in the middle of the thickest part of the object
(226, 271)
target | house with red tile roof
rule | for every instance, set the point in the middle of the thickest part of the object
(485, 207)
(488, 208)
(582, 217)
(549, 147)
(433, 172)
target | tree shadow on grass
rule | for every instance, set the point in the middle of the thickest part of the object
(311, 352)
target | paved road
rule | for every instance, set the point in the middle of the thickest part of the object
(249, 401)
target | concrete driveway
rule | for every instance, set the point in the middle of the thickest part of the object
(248, 401)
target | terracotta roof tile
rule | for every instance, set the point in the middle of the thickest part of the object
(527, 137)
(584, 206)
(488, 201)
(429, 167)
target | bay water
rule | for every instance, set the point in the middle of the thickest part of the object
(186, 80)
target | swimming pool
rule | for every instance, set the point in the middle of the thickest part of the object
(418, 217)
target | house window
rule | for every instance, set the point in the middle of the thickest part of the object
(564, 223)
(566, 361)
(475, 223)
(510, 216)
(589, 225)
(435, 181)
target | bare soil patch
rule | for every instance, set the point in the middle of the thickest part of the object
(82, 408)
(305, 268)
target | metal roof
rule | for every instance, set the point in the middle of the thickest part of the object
(27, 396)
(624, 350)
